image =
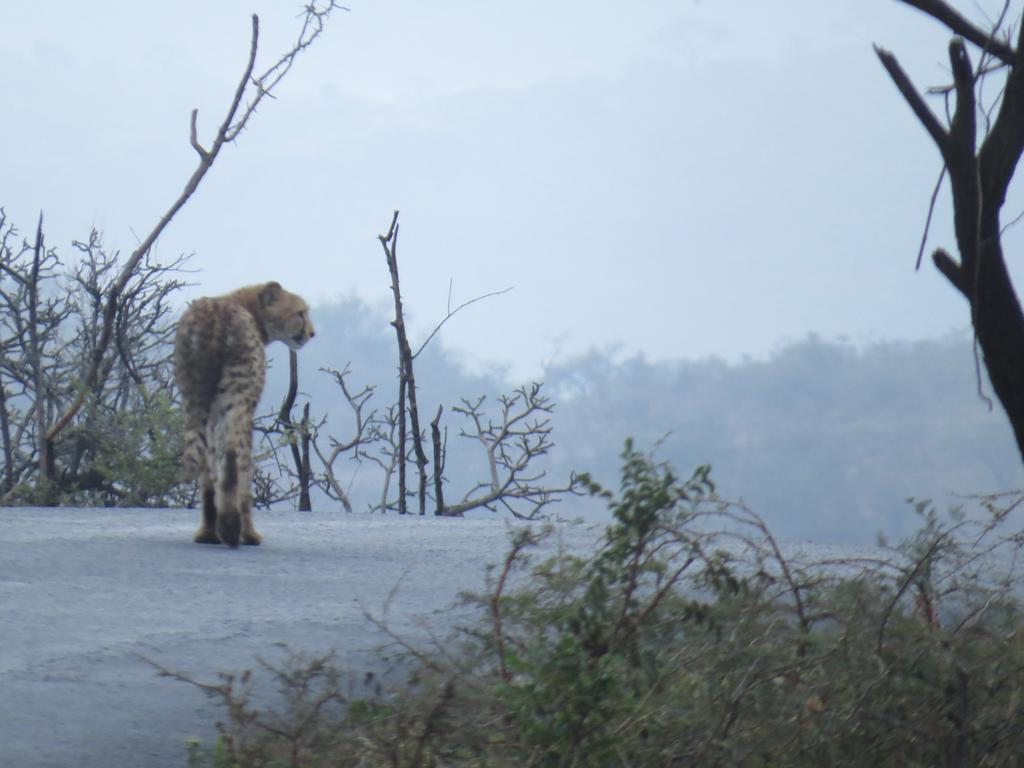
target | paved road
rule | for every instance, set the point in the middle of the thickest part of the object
(84, 591)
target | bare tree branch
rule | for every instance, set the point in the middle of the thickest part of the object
(452, 313)
(928, 219)
(959, 25)
(915, 100)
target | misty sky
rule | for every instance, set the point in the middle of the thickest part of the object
(678, 177)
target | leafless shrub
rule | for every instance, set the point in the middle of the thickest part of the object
(128, 406)
(367, 430)
(511, 444)
(510, 447)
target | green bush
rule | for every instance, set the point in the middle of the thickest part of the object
(136, 456)
(689, 637)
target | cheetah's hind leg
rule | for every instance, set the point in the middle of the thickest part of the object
(196, 461)
(229, 516)
(207, 533)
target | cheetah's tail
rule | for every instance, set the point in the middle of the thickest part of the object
(229, 516)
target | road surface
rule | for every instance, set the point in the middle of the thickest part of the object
(85, 592)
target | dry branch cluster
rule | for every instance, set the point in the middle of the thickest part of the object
(52, 322)
(512, 440)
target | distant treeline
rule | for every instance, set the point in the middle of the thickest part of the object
(825, 439)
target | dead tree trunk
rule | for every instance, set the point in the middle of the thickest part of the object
(306, 474)
(297, 435)
(5, 434)
(979, 180)
(40, 387)
(402, 502)
(435, 435)
(407, 380)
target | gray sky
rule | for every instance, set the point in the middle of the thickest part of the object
(680, 177)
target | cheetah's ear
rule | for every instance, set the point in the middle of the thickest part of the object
(270, 293)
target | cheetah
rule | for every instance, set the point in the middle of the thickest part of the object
(220, 367)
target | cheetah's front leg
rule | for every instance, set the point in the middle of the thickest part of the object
(249, 535)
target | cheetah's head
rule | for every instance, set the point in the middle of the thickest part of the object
(285, 316)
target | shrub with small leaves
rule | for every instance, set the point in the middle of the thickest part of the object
(690, 636)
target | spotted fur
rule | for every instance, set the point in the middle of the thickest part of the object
(220, 367)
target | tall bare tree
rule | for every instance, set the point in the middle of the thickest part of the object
(251, 90)
(980, 144)
(406, 376)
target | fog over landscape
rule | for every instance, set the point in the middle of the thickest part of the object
(681, 179)
(709, 212)
(713, 451)
(827, 441)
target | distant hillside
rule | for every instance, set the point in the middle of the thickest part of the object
(824, 439)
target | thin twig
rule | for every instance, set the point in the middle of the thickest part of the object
(452, 313)
(928, 220)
